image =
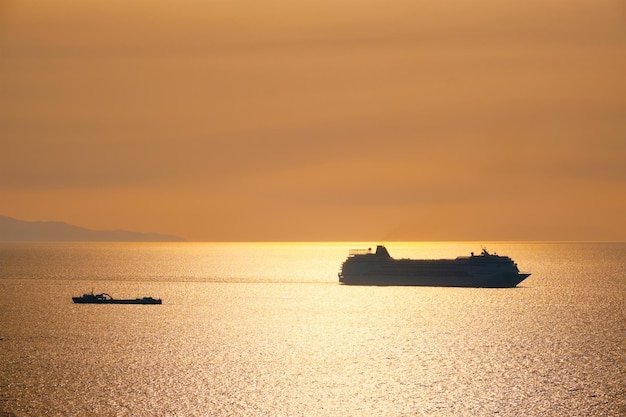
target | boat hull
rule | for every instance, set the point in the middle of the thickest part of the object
(436, 280)
(80, 300)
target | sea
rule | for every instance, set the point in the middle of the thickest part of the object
(265, 329)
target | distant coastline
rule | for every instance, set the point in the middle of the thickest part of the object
(14, 230)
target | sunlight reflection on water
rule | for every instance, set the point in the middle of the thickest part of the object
(256, 330)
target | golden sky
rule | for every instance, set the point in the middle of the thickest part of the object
(317, 120)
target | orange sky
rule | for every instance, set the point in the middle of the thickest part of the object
(317, 120)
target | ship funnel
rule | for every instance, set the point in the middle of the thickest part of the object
(382, 251)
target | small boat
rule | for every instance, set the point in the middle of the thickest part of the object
(104, 298)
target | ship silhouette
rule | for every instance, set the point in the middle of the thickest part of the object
(487, 270)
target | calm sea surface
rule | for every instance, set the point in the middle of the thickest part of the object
(266, 330)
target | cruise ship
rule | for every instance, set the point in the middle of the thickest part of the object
(487, 270)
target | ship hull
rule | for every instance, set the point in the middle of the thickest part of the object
(80, 300)
(436, 280)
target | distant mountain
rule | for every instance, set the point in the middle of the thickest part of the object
(18, 230)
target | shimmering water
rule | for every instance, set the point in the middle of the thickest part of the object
(266, 330)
